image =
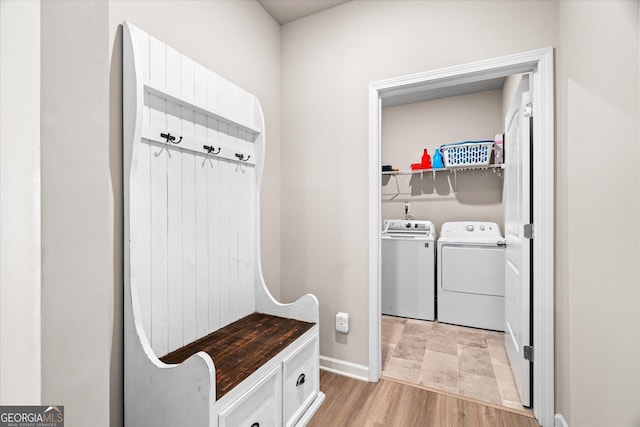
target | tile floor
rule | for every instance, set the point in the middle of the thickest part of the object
(456, 359)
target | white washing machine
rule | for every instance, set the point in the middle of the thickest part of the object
(408, 269)
(471, 266)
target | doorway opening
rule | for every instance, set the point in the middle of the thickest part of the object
(457, 81)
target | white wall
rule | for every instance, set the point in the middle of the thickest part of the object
(444, 196)
(328, 60)
(598, 193)
(19, 203)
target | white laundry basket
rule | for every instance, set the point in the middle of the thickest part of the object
(467, 154)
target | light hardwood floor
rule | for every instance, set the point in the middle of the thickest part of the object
(389, 403)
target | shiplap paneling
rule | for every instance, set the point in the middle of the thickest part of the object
(202, 247)
(157, 62)
(189, 232)
(195, 232)
(199, 237)
(223, 250)
(213, 209)
(174, 248)
(141, 273)
(158, 249)
(246, 242)
(210, 80)
(234, 220)
(188, 91)
(142, 47)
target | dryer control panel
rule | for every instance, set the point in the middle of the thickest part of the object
(475, 229)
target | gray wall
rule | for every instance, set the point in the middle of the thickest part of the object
(81, 273)
(444, 196)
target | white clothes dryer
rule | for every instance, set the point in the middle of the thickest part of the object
(408, 269)
(471, 265)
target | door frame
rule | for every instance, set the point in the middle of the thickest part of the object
(541, 64)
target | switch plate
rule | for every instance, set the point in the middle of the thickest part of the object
(342, 323)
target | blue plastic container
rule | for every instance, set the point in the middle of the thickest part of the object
(437, 159)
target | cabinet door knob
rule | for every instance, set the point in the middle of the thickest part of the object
(300, 380)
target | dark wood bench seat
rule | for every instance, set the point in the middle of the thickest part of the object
(242, 347)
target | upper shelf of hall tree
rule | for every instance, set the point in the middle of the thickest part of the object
(188, 107)
(230, 118)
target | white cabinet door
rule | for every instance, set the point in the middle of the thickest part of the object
(261, 406)
(518, 250)
(300, 381)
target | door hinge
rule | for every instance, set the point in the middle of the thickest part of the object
(528, 231)
(528, 353)
(528, 110)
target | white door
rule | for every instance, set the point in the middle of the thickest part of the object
(517, 195)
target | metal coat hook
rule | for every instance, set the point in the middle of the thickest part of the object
(242, 158)
(170, 138)
(211, 149)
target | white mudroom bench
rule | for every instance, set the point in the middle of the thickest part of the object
(206, 344)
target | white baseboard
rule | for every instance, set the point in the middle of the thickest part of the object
(559, 421)
(342, 367)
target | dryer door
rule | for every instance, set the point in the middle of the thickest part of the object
(472, 269)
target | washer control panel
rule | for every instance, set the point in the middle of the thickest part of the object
(401, 226)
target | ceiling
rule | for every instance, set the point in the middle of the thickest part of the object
(284, 11)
